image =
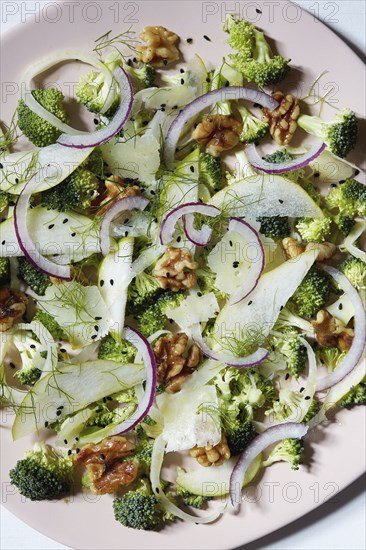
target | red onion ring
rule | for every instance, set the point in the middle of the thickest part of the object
(270, 168)
(25, 241)
(200, 237)
(124, 204)
(259, 444)
(204, 101)
(249, 361)
(93, 139)
(143, 347)
(256, 269)
(355, 352)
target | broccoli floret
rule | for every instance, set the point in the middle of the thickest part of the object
(77, 192)
(355, 271)
(143, 292)
(355, 396)
(4, 200)
(121, 352)
(254, 129)
(287, 405)
(345, 223)
(294, 351)
(50, 324)
(240, 393)
(288, 450)
(280, 156)
(37, 281)
(36, 129)
(210, 171)
(29, 349)
(349, 198)
(95, 163)
(288, 320)
(238, 436)
(276, 227)
(314, 229)
(4, 271)
(42, 474)
(314, 408)
(144, 74)
(254, 58)
(140, 508)
(313, 292)
(330, 357)
(340, 134)
(154, 318)
(188, 499)
(144, 453)
(93, 91)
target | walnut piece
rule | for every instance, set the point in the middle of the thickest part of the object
(115, 189)
(175, 360)
(218, 132)
(160, 46)
(105, 466)
(282, 120)
(212, 455)
(293, 249)
(13, 305)
(171, 270)
(331, 332)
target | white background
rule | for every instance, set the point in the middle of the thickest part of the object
(340, 525)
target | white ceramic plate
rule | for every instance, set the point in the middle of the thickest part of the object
(336, 453)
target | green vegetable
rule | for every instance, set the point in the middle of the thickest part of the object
(4, 271)
(143, 75)
(314, 408)
(50, 324)
(210, 171)
(340, 134)
(330, 357)
(282, 155)
(288, 450)
(35, 279)
(143, 292)
(140, 508)
(239, 436)
(144, 453)
(77, 192)
(295, 353)
(28, 349)
(287, 319)
(93, 91)
(254, 58)
(42, 474)
(349, 197)
(121, 352)
(35, 128)
(276, 227)
(154, 318)
(355, 396)
(355, 270)
(4, 200)
(188, 499)
(313, 293)
(314, 229)
(287, 405)
(254, 129)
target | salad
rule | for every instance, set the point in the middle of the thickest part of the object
(180, 278)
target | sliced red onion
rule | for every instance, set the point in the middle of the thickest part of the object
(200, 237)
(260, 443)
(249, 361)
(271, 168)
(256, 268)
(93, 139)
(25, 241)
(47, 63)
(144, 349)
(204, 101)
(122, 205)
(355, 352)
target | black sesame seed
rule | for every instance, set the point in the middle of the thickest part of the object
(94, 336)
(357, 172)
(162, 109)
(231, 243)
(76, 439)
(69, 452)
(96, 328)
(65, 220)
(280, 201)
(307, 397)
(281, 308)
(101, 282)
(99, 410)
(316, 175)
(175, 107)
(165, 62)
(257, 10)
(65, 441)
(333, 184)
(171, 321)
(256, 105)
(182, 81)
(58, 413)
(235, 264)
(189, 40)
(98, 318)
(62, 350)
(96, 121)
(32, 346)
(301, 389)
(199, 294)
(102, 456)
(111, 282)
(134, 59)
(3, 242)
(207, 38)
(1, 166)
(182, 71)
(179, 239)
(51, 226)
(73, 234)
(11, 365)
(340, 181)
(191, 168)
(60, 407)
(227, 84)
(46, 424)
(77, 451)
(250, 302)
(287, 376)
(16, 180)
(157, 490)
(126, 233)
(208, 79)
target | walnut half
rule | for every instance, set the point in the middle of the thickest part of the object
(171, 270)
(13, 304)
(218, 132)
(330, 332)
(106, 465)
(212, 455)
(160, 46)
(175, 360)
(282, 120)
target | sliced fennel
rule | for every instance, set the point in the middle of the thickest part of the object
(194, 309)
(350, 242)
(330, 168)
(113, 279)
(342, 309)
(69, 389)
(214, 482)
